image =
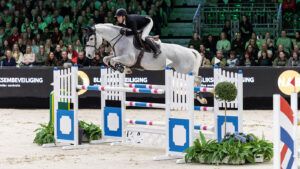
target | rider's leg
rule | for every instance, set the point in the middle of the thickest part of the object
(145, 37)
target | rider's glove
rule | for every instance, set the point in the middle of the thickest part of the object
(123, 31)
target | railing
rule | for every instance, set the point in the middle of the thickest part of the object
(263, 16)
(197, 20)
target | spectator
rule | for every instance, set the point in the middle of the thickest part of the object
(232, 61)
(288, 6)
(34, 47)
(66, 24)
(264, 59)
(238, 45)
(72, 54)
(294, 60)
(14, 37)
(57, 36)
(296, 41)
(41, 24)
(4, 48)
(285, 41)
(97, 61)
(9, 60)
(16, 53)
(54, 24)
(41, 56)
(223, 44)
(251, 52)
(70, 37)
(78, 47)
(196, 40)
(246, 28)
(64, 59)
(51, 60)
(28, 58)
(281, 60)
(29, 34)
(48, 45)
(270, 45)
(25, 25)
(264, 48)
(247, 60)
(22, 45)
(280, 49)
(57, 52)
(296, 49)
(219, 59)
(227, 30)
(204, 52)
(210, 45)
(82, 61)
(2, 36)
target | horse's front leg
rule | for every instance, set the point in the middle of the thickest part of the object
(107, 59)
(122, 63)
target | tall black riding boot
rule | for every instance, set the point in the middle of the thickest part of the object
(154, 48)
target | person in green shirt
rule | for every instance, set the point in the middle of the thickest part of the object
(69, 37)
(223, 44)
(296, 41)
(41, 56)
(219, 59)
(66, 24)
(285, 41)
(41, 24)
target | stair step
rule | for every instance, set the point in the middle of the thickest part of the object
(180, 25)
(184, 10)
(181, 16)
(187, 31)
(179, 41)
(188, 2)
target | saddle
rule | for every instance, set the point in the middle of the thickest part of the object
(141, 45)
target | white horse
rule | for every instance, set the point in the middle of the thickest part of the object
(182, 59)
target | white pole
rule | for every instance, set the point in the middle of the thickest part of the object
(103, 98)
(168, 95)
(74, 96)
(294, 106)
(240, 101)
(56, 83)
(216, 104)
(190, 105)
(276, 132)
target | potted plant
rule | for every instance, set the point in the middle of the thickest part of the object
(227, 92)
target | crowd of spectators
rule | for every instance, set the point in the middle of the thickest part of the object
(49, 33)
(247, 49)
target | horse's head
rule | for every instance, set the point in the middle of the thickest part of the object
(92, 41)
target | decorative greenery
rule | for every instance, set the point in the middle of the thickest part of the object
(234, 149)
(45, 133)
(225, 91)
(91, 131)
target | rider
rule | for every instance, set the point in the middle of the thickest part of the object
(135, 23)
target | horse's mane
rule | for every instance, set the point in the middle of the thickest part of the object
(109, 25)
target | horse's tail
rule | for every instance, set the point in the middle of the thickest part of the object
(198, 62)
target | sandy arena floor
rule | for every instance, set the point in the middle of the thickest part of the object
(17, 150)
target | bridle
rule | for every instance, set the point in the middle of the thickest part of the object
(118, 37)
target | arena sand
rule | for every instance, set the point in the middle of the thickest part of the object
(17, 149)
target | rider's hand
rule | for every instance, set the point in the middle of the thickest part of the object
(123, 31)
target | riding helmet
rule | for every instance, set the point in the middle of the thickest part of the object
(121, 12)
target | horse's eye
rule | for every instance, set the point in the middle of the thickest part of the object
(92, 39)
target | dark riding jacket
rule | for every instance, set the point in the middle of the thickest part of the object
(135, 23)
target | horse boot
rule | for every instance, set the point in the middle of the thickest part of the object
(153, 47)
(119, 67)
